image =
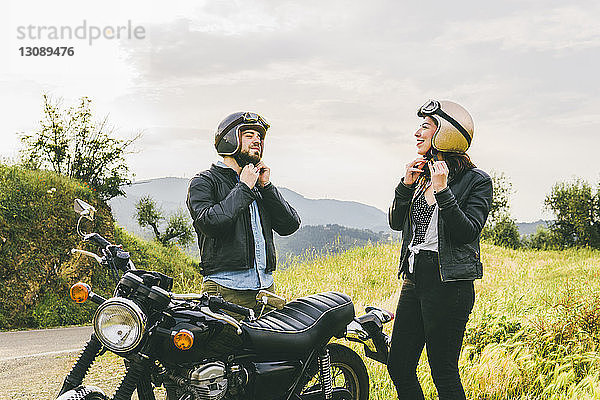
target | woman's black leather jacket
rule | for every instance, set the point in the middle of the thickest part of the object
(463, 209)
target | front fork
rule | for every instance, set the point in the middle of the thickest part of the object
(136, 377)
(87, 357)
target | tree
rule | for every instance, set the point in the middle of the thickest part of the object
(543, 239)
(72, 144)
(177, 227)
(501, 229)
(501, 198)
(577, 211)
(505, 233)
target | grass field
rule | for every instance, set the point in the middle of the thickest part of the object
(534, 332)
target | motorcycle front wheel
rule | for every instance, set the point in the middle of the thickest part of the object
(348, 372)
(84, 393)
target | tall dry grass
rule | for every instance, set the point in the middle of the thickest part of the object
(534, 332)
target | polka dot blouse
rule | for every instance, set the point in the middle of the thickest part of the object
(421, 214)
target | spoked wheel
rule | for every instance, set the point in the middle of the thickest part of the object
(348, 372)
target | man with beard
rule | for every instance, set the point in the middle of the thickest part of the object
(235, 209)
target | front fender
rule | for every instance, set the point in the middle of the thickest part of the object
(84, 393)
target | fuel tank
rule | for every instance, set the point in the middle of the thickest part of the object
(212, 337)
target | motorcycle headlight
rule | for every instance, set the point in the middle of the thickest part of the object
(119, 324)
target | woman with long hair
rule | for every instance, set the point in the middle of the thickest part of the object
(440, 205)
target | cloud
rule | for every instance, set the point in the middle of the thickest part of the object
(560, 30)
(340, 82)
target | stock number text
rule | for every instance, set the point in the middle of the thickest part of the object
(46, 51)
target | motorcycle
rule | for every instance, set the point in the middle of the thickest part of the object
(191, 345)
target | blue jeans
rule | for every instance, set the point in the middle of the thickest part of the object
(434, 314)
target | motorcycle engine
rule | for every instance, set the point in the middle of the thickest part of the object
(207, 382)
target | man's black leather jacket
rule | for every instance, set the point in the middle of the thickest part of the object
(219, 205)
(463, 209)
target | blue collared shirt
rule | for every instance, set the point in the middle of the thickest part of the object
(254, 278)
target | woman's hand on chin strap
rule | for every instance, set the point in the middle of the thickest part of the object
(413, 171)
(439, 175)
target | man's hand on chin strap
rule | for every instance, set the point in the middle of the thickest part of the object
(249, 175)
(264, 174)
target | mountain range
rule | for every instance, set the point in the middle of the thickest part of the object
(170, 194)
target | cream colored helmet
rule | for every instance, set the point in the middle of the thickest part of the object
(454, 125)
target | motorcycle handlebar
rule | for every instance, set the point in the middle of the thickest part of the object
(97, 239)
(116, 254)
(120, 258)
(216, 303)
(89, 254)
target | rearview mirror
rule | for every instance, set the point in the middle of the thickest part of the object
(271, 299)
(84, 209)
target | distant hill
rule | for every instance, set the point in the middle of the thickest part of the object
(327, 225)
(527, 228)
(170, 193)
(313, 240)
(350, 214)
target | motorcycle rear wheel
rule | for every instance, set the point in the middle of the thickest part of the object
(347, 370)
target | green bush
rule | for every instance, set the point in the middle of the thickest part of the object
(57, 309)
(504, 232)
(170, 260)
(543, 239)
(37, 230)
(576, 206)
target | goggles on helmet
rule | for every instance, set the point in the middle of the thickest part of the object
(249, 118)
(433, 107)
(429, 108)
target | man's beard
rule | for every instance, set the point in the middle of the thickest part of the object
(244, 158)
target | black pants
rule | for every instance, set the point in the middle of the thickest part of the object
(432, 313)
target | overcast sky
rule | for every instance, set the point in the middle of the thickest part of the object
(339, 81)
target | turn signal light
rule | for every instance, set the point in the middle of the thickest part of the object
(183, 339)
(80, 292)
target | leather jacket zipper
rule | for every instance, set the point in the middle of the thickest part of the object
(439, 222)
(249, 240)
(440, 263)
(410, 233)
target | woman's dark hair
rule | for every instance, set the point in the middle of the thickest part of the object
(457, 164)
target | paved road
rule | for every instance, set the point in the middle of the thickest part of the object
(25, 344)
(33, 364)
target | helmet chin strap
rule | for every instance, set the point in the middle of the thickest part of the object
(433, 154)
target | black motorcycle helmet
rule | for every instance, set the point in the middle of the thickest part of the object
(227, 137)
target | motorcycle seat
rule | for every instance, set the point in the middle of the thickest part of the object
(301, 325)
